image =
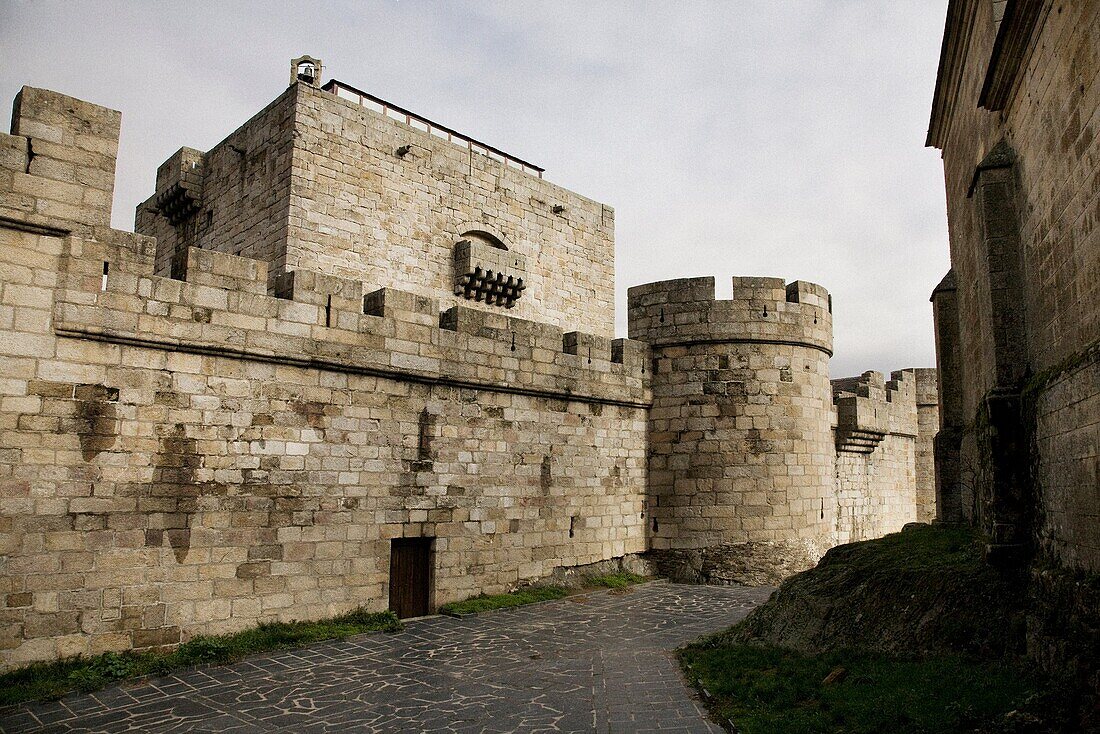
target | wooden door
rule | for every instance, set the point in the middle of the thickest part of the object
(410, 576)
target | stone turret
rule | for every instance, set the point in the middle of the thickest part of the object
(740, 443)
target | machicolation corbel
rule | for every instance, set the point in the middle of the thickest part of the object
(180, 186)
(488, 274)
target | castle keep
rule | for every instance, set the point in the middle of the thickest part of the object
(351, 357)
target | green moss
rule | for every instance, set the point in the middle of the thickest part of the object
(769, 690)
(53, 680)
(1039, 382)
(616, 580)
(916, 550)
(484, 603)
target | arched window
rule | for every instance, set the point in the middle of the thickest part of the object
(485, 238)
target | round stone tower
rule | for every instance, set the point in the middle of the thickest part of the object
(740, 440)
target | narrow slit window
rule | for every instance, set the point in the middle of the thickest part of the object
(328, 311)
(106, 269)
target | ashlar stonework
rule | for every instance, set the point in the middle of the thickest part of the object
(230, 416)
(1015, 115)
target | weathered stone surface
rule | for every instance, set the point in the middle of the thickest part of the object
(325, 191)
(1016, 121)
(1015, 114)
(198, 439)
(753, 471)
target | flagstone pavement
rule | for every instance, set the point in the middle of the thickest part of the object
(596, 662)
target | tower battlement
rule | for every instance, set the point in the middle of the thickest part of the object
(764, 310)
(335, 181)
(869, 407)
(735, 383)
(58, 164)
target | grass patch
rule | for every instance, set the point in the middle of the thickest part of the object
(615, 580)
(53, 680)
(918, 549)
(485, 603)
(770, 690)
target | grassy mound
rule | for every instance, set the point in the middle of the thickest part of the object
(926, 589)
(913, 632)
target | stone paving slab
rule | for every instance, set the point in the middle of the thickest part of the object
(599, 662)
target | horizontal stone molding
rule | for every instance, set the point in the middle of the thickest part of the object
(33, 228)
(402, 375)
(323, 322)
(664, 344)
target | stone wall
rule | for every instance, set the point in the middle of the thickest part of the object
(59, 161)
(877, 486)
(319, 181)
(757, 465)
(1015, 116)
(1067, 440)
(741, 455)
(196, 454)
(191, 440)
(928, 426)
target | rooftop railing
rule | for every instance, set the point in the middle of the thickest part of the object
(350, 93)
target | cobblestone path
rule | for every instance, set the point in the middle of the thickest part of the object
(599, 662)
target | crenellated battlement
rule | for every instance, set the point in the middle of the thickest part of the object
(222, 306)
(58, 164)
(868, 408)
(766, 310)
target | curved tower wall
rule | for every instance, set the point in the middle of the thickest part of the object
(741, 450)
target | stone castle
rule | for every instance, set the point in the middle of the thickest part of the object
(352, 357)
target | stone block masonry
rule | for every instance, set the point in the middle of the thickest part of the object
(232, 421)
(883, 431)
(1015, 115)
(741, 455)
(321, 183)
(196, 454)
(928, 426)
(184, 456)
(59, 161)
(757, 465)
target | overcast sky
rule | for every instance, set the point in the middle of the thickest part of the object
(749, 138)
